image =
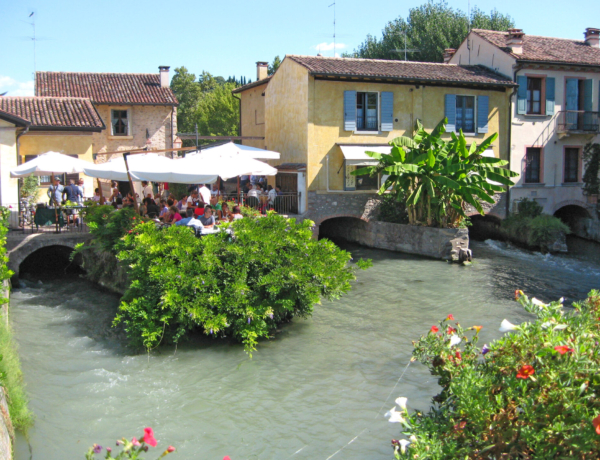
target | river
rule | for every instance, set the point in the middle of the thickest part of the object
(321, 383)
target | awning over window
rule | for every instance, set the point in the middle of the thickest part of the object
(355, 154)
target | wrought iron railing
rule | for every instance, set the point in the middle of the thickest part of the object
(577, 121)
(369, 124)
(284, 203)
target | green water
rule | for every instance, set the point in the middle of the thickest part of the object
(306, 394)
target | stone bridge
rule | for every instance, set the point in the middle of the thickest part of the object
(20, 245)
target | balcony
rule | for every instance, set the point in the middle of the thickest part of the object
(577, 122)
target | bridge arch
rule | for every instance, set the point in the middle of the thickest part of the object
(575, 214)
(342, 226)
(30, 244)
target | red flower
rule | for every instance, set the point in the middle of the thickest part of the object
(170, 449)
(458, 355)
(562, 349)
(129, 231)
(525, 372)
(434, 329)
(451, 330)
(134, 218)
(149, 437)
(450, 317)
(596, 423)
(460, 426)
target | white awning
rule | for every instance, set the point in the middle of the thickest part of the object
(355, 154)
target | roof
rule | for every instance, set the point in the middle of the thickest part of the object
(49, 113)
(545, 49)
(291, 167)
(105, 88)
(421, 72)
(264, 81)
(18, 121)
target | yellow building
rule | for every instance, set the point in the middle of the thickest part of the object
(323, 113)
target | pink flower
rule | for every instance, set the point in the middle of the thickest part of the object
(226, 457)
(149, 437)
(170, 449)
(451, 330)
(135, 442)
(450, 317)
(434, 329)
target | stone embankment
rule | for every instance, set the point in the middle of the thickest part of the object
(7, 431)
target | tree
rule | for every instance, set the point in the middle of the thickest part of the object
(437, 178)
(188, 93)
(274, 65)
(429, 29)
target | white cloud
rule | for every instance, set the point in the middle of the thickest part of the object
(329, 46)
(14, 87)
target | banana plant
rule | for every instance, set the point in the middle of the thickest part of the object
(437, 178)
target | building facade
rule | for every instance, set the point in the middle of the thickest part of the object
(554, 114)
(322, 115)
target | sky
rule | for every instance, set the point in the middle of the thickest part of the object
(221, 37)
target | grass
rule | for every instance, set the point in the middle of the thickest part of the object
(11, 378)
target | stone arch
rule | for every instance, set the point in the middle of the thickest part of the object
(33, 243)
(335, 216)
(575, 214)
(578, 203)
(347, 229)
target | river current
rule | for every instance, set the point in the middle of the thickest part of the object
(321, 385)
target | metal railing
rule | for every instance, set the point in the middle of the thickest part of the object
(70, 220)
(370, 124)
(285, 202)
(577, 121)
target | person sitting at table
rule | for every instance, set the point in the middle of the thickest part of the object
(152, 208)
(173, 215)
(278, 190)
(199, 211)
(114, 195)
(236, 214)
(271, 193)
(193, 200)
(142, 209)
(164, 209)
(253, 192)
(182, 204)
(127, 202)
(224, 212)
(96, 196)
(118, 203)
(189, 215)
(208, 220)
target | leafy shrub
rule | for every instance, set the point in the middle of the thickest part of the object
(109, 225)
(11, 376)
(529, 208)
(268, 272)
(30, 189)
(591, 177)
(393, 210)
(531, 394)
(546, 229)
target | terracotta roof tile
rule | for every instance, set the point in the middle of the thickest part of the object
(425, 72)
(54, 112)
(105, 88)
(547, 49)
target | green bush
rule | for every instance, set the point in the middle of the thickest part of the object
(532, 394)
(268, 272)
(393, 209)
(109, 225)
(529, 208)
(11, 377)
(546, 229)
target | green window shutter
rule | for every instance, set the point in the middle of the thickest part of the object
(387, 111)
(349, 110)
(587, 95)
(522, 95)
(550, 87)
(450, 112)
(572, 94)
(483, 103)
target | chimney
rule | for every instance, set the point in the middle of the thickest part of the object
(448, 53)
(592, 37)
(164, 75)
(515, 40)
(262, 70)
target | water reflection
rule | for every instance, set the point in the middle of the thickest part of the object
(306, 394)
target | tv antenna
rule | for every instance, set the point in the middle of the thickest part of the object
(333, 4)
(34, 39)
(406, 50)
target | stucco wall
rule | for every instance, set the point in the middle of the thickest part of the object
(8, 160)
(73, 143)
(483, 53)
(286, 110)
(410, 103)
(253, 115)
(155, 119)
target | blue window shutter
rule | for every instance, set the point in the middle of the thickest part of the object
(349, 110)
(522, 95)
(587, 95)
(550, 84)
(572, 94)
(387, 111)
(450, 112)
(483, 111)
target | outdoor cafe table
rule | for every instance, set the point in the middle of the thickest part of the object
(47, 216)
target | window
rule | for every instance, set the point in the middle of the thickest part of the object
(533, 165)
(366, 112)
(363, 182)
(465, 114)
(534, 95)
(571, 173)
(119, 122)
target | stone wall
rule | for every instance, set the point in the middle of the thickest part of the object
(7, 431)
(497, 210)
(104, 269)
(438, 243)
(323, 206)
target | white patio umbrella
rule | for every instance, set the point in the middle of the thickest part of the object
(49, 164)
(246, 150)
(115, 168)
(226, 164)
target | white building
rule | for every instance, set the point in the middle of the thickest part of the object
(554, 114)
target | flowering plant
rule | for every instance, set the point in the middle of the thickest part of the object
(131, 449)
(531, 394)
